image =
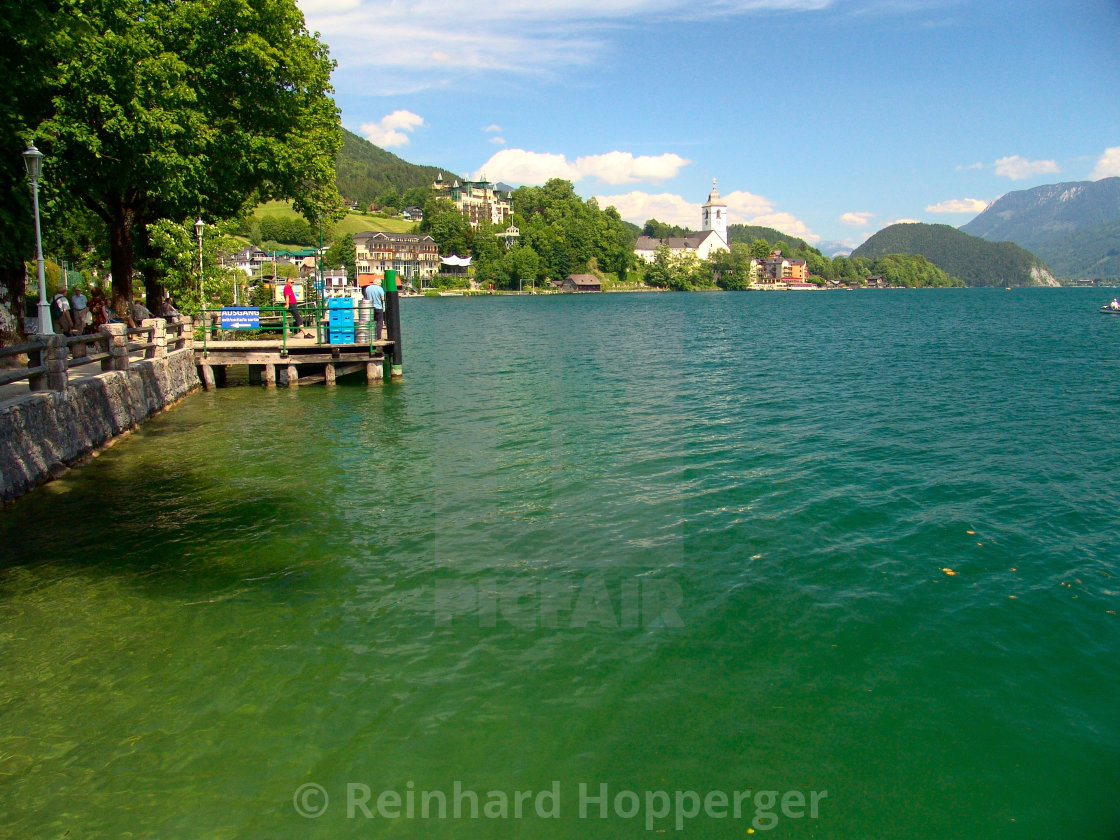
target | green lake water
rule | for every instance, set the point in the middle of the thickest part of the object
(697, 543)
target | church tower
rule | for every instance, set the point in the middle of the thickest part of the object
(715, 214)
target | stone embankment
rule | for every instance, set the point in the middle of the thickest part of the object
(44, 432)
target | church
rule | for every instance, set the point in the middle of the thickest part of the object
(711, 237)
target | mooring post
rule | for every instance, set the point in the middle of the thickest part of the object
(374, 372)
(270, 375)
(118, 346)
(328, 374)
(58, 376)
(157, 337)
(393, 322)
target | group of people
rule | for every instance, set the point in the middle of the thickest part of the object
(373, 293)
(76, 314)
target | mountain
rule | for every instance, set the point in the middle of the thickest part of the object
(834, 248)
(363, 171)
(975, 261)
(1072, 225)
(749, 233)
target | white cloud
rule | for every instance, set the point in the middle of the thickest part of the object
(856, 219)
(624, 168)
(493, 128)
(637, 207)
(742, 205)
(519, 166)
(976, 165)
(501, 141)
(390, 131)
(906, 222)
(743, 208)
(959, 205)
(501, 36)
(1017, 167)
(524, 167)
(1108, 165)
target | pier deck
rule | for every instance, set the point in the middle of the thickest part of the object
(299, 361)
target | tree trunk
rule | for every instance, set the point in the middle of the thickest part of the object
(153, 274)
(121, 259)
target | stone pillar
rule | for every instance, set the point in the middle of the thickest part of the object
(374, 372)
(186, 331)
(118, 347)
(157, 336)
(36, 357)
(328, 374)
(56, 356)
(293, 376)
(206, 374)
(270, 376)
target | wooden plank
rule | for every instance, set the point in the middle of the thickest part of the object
(7, 377)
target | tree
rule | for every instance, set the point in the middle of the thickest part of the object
(172, 108)
(342, 254)
(26, 56)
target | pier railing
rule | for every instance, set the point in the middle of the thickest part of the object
(50, 357)
(316, 316)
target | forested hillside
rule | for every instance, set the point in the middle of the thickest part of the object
(365, 171)
(975, 261)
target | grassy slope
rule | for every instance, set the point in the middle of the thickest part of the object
(350, 223)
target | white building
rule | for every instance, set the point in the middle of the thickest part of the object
(711, 237)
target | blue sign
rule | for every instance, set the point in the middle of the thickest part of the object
(241, 318)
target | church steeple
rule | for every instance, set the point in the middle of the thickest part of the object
(715, 214)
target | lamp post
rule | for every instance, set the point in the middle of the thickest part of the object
(33, 160)
(198, 227)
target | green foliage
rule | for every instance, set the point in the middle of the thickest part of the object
(975, 261)
(732, 269)
(175, 108)
(752, 233)
(912, 271)
(175, 247)
(364, 172)
(663, 230)
(1092, 252)
(342, 253)
(566, 232)
(293, 230)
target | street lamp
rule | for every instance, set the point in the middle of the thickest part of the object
(33, 160)
(198, 226)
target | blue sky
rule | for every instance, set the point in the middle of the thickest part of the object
(827, 119)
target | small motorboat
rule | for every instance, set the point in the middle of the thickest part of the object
(1112, 308)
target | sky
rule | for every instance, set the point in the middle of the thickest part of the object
(826, 119)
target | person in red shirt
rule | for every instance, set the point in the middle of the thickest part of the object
(293, 307)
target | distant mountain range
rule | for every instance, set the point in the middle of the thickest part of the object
(975, 261)
(1073, 227)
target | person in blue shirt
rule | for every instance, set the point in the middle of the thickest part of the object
(376, 295)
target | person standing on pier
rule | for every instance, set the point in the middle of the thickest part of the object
(293, 307)
(376, 295)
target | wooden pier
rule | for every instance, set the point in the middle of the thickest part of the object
(298, 361)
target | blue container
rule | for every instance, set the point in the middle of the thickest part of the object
(342, 335)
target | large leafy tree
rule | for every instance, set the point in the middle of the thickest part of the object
(25, 60)
(164, 109)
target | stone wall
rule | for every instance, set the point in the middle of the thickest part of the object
(50, 430)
